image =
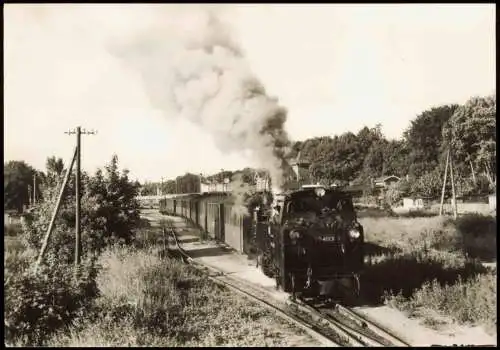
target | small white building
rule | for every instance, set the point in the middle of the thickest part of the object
(413, 204)
(492, 201)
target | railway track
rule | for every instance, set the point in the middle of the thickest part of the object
(332, 326)
(359, 329)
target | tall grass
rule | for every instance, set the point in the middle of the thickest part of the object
(471, 301)
(433, 264)
(147, 300)
(12, 229)
(472, 234)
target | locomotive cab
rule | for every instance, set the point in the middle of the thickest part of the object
(313, 242)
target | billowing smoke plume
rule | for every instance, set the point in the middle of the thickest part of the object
(240, 190)
(200, 74)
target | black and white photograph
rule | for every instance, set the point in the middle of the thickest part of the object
(250, 175)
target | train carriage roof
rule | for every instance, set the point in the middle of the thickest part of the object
(222, 196)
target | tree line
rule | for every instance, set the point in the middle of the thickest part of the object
(468, 131)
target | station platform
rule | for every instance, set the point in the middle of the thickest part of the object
(220, 256)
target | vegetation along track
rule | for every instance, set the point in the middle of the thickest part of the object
(339, 326)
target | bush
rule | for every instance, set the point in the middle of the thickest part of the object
(36, 305)
(396, 191)
(109, 214)
(428, 185)
(12, 229)
(470, 301)
(407, 270)
(477, 233)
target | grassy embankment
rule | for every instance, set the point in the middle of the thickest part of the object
(433, 266)
(147, 298)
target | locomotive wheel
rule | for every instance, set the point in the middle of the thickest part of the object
(265, 264)
(277, 279)
(292, 278)
(357, 285)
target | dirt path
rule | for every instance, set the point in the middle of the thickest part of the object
(418, 334)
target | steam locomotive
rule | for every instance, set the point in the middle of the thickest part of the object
(308, 240)
(311, 242)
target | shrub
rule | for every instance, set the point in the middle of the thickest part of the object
(428, 185)
(109, 213)
(407, 270)
(36, 305)
(396, 191)
(469, 301)
(12, 229)
(478, 235)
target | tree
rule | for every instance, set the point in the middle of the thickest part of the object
(169, 186)
(366, 136)
(247, 175)
(54, 170)
(424, 137)
(395, 193)
(54, 166)
(428, 185)
(396, 158)
(471, 133)
(149, 188)
(373, 164)
(18, 180)
(109, 213)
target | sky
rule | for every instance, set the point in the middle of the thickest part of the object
(335, 68)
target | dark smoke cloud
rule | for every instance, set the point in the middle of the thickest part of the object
(198, 72)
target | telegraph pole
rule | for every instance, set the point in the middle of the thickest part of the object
(78, 133)
(455, 214)
(449, 163)
(29, 196)
(34, 189)
(444, 182)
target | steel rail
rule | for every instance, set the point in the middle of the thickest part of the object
(355, 337)
(242, 289)
(374, 326)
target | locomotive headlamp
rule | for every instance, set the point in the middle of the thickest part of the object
(294, 235)
(320, 191)
(354, 234)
